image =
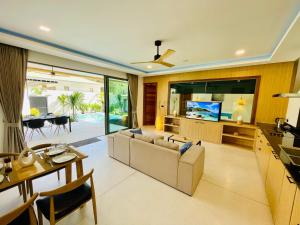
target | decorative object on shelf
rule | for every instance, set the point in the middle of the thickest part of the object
(174, 113)
(25, 159)
(239, 120)
(241, 101)
(236, 133)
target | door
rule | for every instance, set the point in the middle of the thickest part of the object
(150, 97)
(117, 104)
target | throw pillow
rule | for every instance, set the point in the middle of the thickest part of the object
(136, 131)
(166, 144)
(185, 147)
(143, 138)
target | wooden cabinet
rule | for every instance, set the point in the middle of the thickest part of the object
(274, 182)
(201, 130)
(295, 218)
(263, 152)
(286, 200)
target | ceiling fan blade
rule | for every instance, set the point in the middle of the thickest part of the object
(164, 63)
(141, 62)
(167, 54)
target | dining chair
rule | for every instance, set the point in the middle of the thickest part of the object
(58, 203)
(12, 156)
(61, 122)
(24, 214)
(36, 125)
(37, 148)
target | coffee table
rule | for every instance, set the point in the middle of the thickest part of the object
(181, 139)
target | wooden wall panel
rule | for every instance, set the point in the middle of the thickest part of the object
(275, 78)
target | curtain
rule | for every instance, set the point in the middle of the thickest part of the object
(13, 66)
(133, 91)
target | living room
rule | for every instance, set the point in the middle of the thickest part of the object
(199, 120)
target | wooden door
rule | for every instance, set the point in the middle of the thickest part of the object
(286, 200)
(295, 219)
(150, 96)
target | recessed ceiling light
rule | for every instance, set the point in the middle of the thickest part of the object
(44, 28)
(240, 52)
(149, 67)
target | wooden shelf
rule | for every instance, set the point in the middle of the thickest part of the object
(171, 125)
(239, 136)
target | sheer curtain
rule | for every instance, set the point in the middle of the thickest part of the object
(13, 66)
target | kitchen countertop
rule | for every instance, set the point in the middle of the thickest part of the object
(275, 141)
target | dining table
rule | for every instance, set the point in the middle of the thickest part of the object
(41, 167)
(47, 118)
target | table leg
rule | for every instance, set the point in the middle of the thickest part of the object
(70, 126)
(24, 192)
(68, 171)
(79, 168)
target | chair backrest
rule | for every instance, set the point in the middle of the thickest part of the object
(24, 214)
(70, 186)
(37, 147)
(61, 120)
(36, 123)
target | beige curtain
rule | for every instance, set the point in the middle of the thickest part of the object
(13, 66)
(133, 89)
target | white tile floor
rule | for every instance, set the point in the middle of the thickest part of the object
(230, 192)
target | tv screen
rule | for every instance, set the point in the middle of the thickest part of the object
(210, 111)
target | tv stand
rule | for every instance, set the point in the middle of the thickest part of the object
(214, 132)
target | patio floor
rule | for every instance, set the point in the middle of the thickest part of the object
(81, 130)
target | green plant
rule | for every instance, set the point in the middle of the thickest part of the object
(95, 107)
(63, 100)
(84, 107)
(37, 90)
(74, 101)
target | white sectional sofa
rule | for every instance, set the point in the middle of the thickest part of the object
(182, 172)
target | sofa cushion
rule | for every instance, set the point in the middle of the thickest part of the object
(136, 131)
(143, 138)
(166, 144)
(126, 132)
(185, 147)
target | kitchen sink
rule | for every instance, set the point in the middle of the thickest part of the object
(291, 151)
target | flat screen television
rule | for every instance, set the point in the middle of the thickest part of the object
(210, 111)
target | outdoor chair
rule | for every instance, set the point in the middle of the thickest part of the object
(36, 125)
(60, 122)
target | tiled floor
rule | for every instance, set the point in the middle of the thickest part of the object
(230, 192)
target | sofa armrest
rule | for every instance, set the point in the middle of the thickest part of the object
(190, 169)
(110, 145)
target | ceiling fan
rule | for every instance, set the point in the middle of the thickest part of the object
(159, 59)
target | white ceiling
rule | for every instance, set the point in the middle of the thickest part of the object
(205, 34)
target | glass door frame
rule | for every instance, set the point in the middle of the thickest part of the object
(106, 100)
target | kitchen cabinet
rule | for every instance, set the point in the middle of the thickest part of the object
(263, 152)
(295, 218)
(274, 182)
(286, 200)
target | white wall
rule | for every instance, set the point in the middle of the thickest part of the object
(66, 63)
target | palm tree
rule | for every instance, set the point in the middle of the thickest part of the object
(74, 101)
(63, 100)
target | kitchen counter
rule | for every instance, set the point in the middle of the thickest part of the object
(275, 141)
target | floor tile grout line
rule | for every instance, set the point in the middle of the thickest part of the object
(115, 185)
(236, 193)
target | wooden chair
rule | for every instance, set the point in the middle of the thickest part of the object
(24, 214)
(29, 185)
(12, 156)
(62, 201)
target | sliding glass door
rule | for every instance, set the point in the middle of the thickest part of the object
(117, 104)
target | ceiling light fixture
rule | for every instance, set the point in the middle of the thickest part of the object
(149, 67)
(44, 28)
(240, 52)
